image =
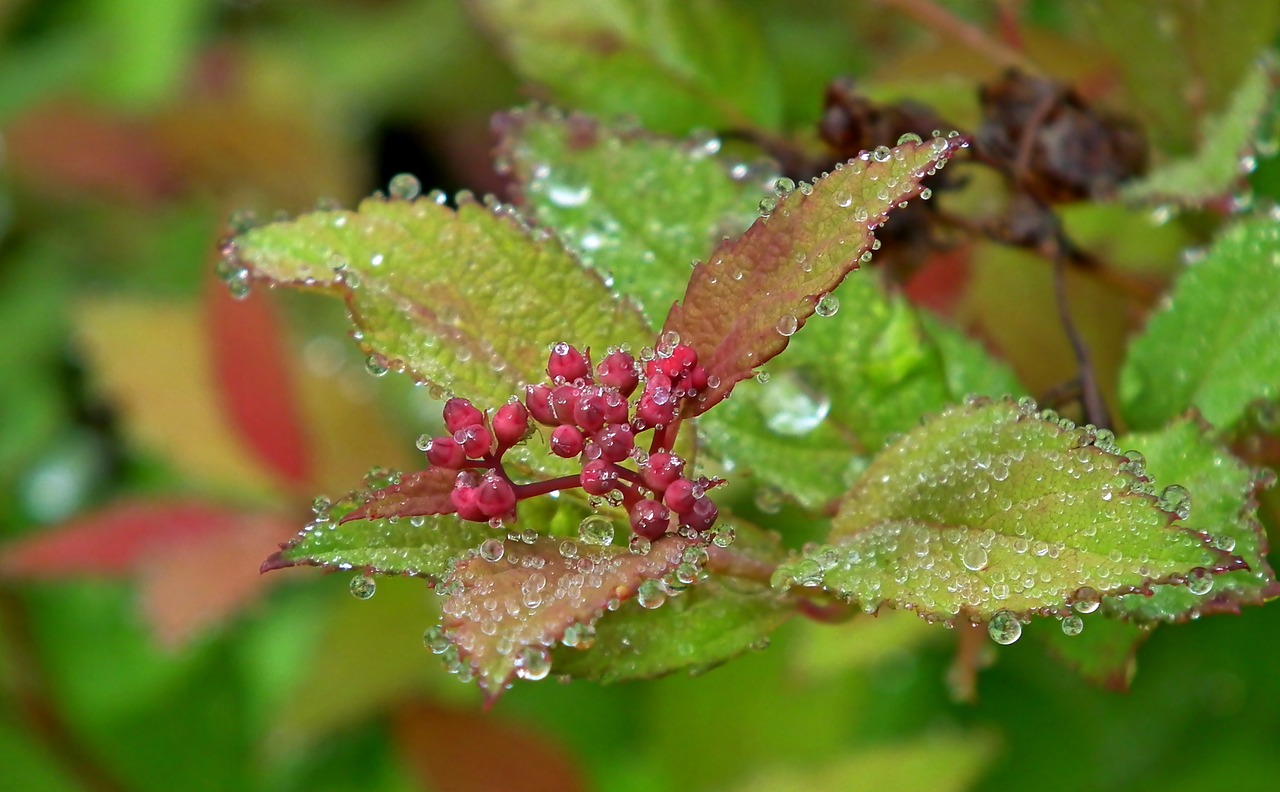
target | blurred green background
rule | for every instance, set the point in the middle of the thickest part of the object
(139, 648)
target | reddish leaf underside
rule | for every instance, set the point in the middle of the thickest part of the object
(744, 303)
(417, 495)
(251, 372)
(504, 616)
(461, 751)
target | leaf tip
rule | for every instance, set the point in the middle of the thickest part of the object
(275, 561)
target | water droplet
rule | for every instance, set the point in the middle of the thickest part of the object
(926, 194)
(881, 154)
(363, 586)
(1087, 600)
(491, 550)
(843, 199)
(1200, 582)
(974, 557)
(423, 443)
(651, 594)
(827, 305)
(638, 545)
(787, 325)
(767, 205)
(723, 535)
(1225, 543)
(783, 187)
(435, 640)
(1004, 628)
(1072, 625)
(595, 530)
(793, 408)
(534, 663)
(910, 137)
(404, 186)
(1176, 499)
(374, 365)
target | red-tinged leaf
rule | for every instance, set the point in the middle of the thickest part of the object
(454, 750)
(192, 586)
(112, 542)
(251, 373)
(504, 616)
(743, 304)
(417, 495)
(195, 562)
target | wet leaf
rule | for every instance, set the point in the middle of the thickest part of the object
(993, 507)
(504, 616)
(1212, 346)
(848, 383)
(637, 207)
(469, 300)
(424, 546)
(1218, 166)
(419, 494)
(697, 630)
(1223, 504)
(676, 66)
(754, 292)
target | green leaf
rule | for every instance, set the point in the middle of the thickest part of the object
(994, 507)
(469, 301)
(503, 615)
(675, 65)
(848, 383)
(936, 763)
(1222, 491)
(695, 631)
(1105, 652)
(1213, 345)
(636, 207)
(1171, 50)
(743, 305)
(426, 546)
(1215, 169)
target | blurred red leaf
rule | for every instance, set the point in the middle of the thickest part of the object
(197, 562)
(456, 751)
(251, 373)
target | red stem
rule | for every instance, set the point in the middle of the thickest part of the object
(535, 488)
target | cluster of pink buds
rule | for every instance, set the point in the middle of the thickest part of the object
(591, 417)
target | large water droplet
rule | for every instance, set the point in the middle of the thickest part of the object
(534, 663)
(791, 407)
(827, 305)
(363, 587)
(404, 186)
(787, 325)
(974, 557)
(1072, 625)
(1004, 628)
(491, 550)
(595, 530)
(909, 137)
(651, 594)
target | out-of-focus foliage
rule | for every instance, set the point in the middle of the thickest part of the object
(139, 649)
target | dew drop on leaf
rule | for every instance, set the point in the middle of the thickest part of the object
(435, 640)
(827, 305)
(595, 530)
(404, 186)
(638, 545)
(363, 587)
(651, 594)
(1200, 582)
(1004, 628)
(1072, 625)
(1176, 499)
(974, 558)
(1087, 600)
(787, 325)
(910, 137)
(373, 364)
(534, 663)
(491, 550)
